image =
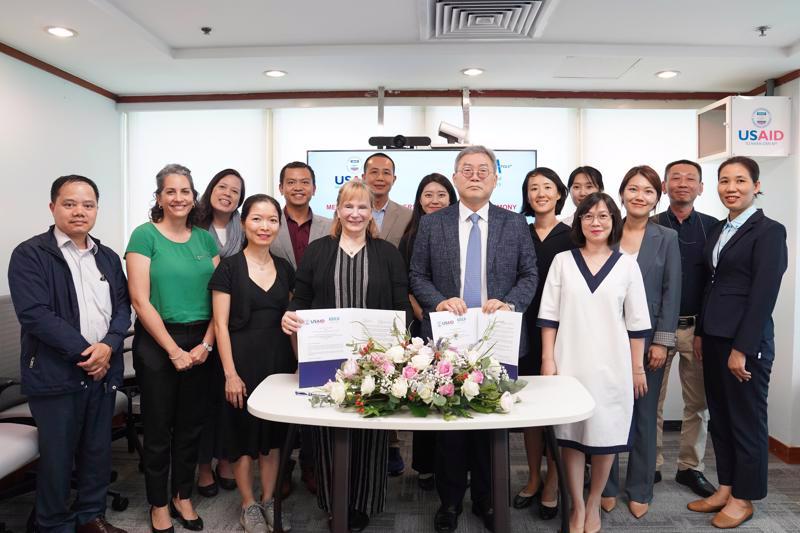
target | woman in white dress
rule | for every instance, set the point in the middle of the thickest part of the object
(594, 320)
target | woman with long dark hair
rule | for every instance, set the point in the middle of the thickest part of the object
(433, 193)
(218, 212)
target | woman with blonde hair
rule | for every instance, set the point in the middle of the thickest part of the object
(351, 268)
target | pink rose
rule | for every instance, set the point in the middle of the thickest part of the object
(447, 389)
(387, 367)
(444, 368)
(377, 359)
(476, 376)
(409, 372)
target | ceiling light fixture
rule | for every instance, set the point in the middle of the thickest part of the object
(473, 71)
(667, 74)
(59, 31)
(274, 73)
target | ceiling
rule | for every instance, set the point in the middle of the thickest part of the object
(144, 47)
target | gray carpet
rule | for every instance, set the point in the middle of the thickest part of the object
(410, 509)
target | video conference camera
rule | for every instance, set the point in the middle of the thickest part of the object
(399, 141)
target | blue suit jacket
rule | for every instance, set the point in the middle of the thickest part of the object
(741, 293)
(435, 273)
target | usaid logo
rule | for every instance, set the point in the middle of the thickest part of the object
(761, 117)
(316, 321)
(354, 165)
(440, 323)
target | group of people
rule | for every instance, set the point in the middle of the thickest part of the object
(216, 282)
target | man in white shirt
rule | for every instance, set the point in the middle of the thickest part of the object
(71, 299)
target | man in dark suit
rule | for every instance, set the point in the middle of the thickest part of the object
(391, 217)
(471, 254)
(71, 300)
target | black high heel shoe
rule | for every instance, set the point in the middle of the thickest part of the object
(196, 524)
(170, 529)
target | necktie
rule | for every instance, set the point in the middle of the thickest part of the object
(472, 270)
(727, 232)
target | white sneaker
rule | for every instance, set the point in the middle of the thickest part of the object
(269, 516)
(252, 520)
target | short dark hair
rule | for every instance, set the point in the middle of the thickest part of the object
(587, 204)
(592, 173)
(684, 162)
(647, 173)
(746, 162)
(298, 164)
(205, 213)
(378, 154)
(55, 188)
(255, 199)
(550, 174)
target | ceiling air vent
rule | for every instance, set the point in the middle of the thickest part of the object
(480, 20)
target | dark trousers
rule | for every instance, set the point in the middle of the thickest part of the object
(423, 452)
(211, 443)
(456, 453)
(174, 407)
(738, 424)
(640, 476)
(73, 429)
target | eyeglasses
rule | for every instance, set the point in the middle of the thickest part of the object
(482, 172)
(589, 218)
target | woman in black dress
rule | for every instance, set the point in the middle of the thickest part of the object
(433, 193)
(352, 268)
(251, 291)
(543, 197)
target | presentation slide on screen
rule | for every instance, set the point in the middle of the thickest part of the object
(333, 168)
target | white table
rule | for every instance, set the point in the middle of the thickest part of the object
(546, 401)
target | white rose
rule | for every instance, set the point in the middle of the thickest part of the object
(470, 389)
(450, 355)
(337, 391)
(507, 400)
(494, 369)
(417, 343)
(367, 385)
(396, 354)
(421, 361)
(400, 388)
(350, 368)
(473, 356)
(425, 393)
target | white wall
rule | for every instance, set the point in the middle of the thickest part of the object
(49, 128)
(204, 141)
(781, 201)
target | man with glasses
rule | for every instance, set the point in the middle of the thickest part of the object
(391, 217)
(471, 254)
(683, 183)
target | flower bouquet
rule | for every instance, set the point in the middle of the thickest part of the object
(444, 376)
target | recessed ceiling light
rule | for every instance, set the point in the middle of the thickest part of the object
(472, 71)
(274, 73)
(667, 74)
(59, 31)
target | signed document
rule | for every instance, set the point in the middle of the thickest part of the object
(467, 330)
(323, 339)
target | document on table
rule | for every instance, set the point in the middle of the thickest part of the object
(322, 340)
(468, 329)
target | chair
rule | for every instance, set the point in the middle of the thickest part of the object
(14, 408)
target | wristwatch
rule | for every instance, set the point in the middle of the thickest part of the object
(208, 347)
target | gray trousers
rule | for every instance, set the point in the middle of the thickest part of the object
(642, 457)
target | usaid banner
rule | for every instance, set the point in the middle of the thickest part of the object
(760, 125)
(334, 168)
